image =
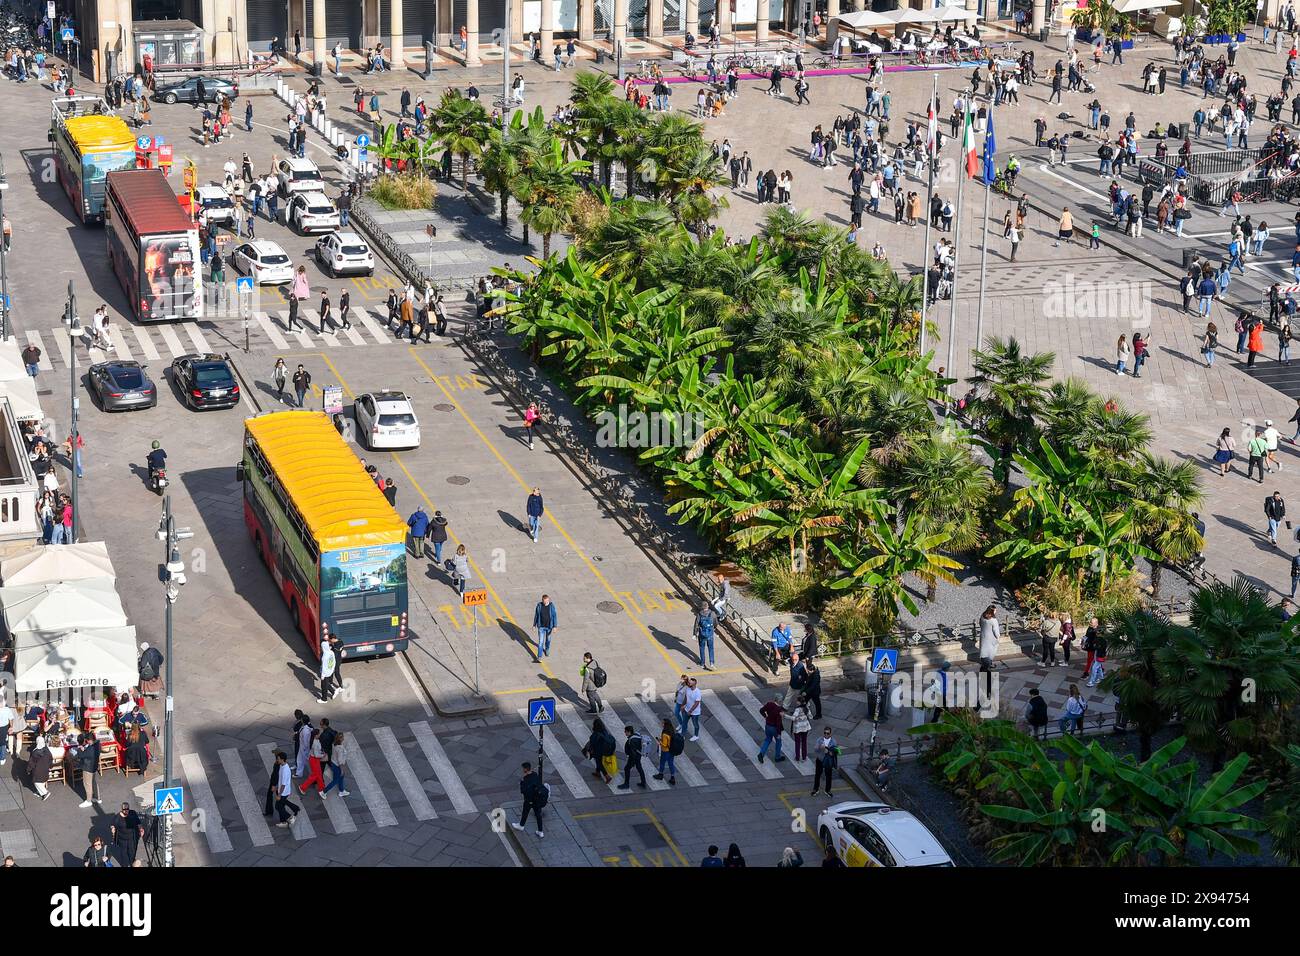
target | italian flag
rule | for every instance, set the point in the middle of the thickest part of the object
(931, 129)
(968, 144)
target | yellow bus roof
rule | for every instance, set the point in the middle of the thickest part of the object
(339, 502)
(99, 132)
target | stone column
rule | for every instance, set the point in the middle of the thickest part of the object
(586, 19)
(693, 17)
(858, 5)
(548, 30)
(654, 19)
(619, 33)
(832, 9)
(1039, 19)
(471, 34)
(723, 13)
(764, 15)
(318, 34)
(396, 31)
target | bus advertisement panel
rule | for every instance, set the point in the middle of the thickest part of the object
(168, 266)
(363, 594)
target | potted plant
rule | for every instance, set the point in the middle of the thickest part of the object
(1225, 19)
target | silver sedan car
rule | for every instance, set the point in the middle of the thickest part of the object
(121, 386)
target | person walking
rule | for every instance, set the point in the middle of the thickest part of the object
(798, 680)
(773, 715)
(800, 725)
(315, 764)
(531, 419)
(706, 621)
(1209, 343)
(545, 620)
(98, 855)
(1098, 659)
(671, 744)
(287, 809)
(593, 678)
(337, 759)
(826, 753)
(87, 757)
(535, 509)
(536, 795)
(418, 522)
(303, 731)
(328, 663)
(632, 751)
(301, 382)
(1226, 450)
(599, 749)
(460, 573)
(32, 360)
(1257, 449)
(1075, 707)
(325, 318)
(1122, 352)
(1036, 714)
(990, 630)
(279, 376)
(1271, 439)
(437, 535)
(1295, 582)
(692, 708)
(127, 830)
(40, 760)
(1275, 512)
(273, 784)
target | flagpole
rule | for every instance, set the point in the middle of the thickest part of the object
(990, 177)
(930, 150)
(930, 198)
(956, 250)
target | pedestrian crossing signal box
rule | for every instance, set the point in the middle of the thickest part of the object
(475, 598)
(541, 711)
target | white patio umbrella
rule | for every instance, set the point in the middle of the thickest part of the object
(951, 12)
(63, 606)
(1133, 6)
(57, 562)
(99, 657)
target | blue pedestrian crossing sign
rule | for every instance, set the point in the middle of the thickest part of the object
(66, 35)
(541, 711)
(168, 801)
(884, 660)
(244, 283)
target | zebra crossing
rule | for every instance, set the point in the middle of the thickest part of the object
(408, 773)
(166, 341)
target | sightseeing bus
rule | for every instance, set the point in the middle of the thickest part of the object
(333, 543)
(88, 143)
(153, 245)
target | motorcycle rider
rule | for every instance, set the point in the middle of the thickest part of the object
(157, 461)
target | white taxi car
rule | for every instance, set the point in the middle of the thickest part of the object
(264, 261)
(298, 176)
(310, 212)
(386, 420)
(876, 834)
(345, 253)
(215, 202)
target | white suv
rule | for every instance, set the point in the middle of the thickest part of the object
(215, 202)
(344, 253)
(310, 212)
(298, 176)
(386, 420)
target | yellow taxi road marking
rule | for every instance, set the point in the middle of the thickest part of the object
(632, 615)
(655, 858)
(375, 287)
(809, 827)
(501, 605)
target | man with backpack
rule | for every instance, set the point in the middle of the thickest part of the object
(1036, 714)
(593, 678)
(706, 623)
(632, 750)
(671, 745)
(536, 795)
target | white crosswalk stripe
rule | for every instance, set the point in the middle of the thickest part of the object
(120, 348)
(717, 756)
(200, 343)
(312, 318)
(270, 331)
(714, 710)
(359, 768)
(376, 329)
(351, 332)
(406, 776)
(651, 731)
(172, 340)
(746, 697)
(300, 824)
(34, 338)
(580, 732)
(246, 798)
(205, 800)
(61, 343)
(145, 343)
(559, 760)
(94, 354)
(442, 767)
(296, 332)
(653, 725)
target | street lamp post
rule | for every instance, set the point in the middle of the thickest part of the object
(75, 330)
(172, 576)
(505, 69)
(4, 261)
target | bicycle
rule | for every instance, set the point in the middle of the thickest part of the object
(821, 63)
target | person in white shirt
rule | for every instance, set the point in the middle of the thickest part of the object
(304, 747)
(1271, 437)
(8, 728)
(692, 708)
(287, 809)
(327, 664)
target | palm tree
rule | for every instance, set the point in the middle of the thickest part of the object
(1280, 817)
(510, 152)
(632, 229)
(940, 479)
(461, 126)
(546, 190)
(1010, 395)
(1142, 637)
(1164, 494)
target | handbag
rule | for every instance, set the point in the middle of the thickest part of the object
(609, 763)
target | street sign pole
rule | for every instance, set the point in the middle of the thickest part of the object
(475, 599)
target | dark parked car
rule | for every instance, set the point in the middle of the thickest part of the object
(121, 386)
(185, 89)
(205, 381)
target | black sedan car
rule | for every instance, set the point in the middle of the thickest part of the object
(121, 386)
(205, 381)
(185, 89)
